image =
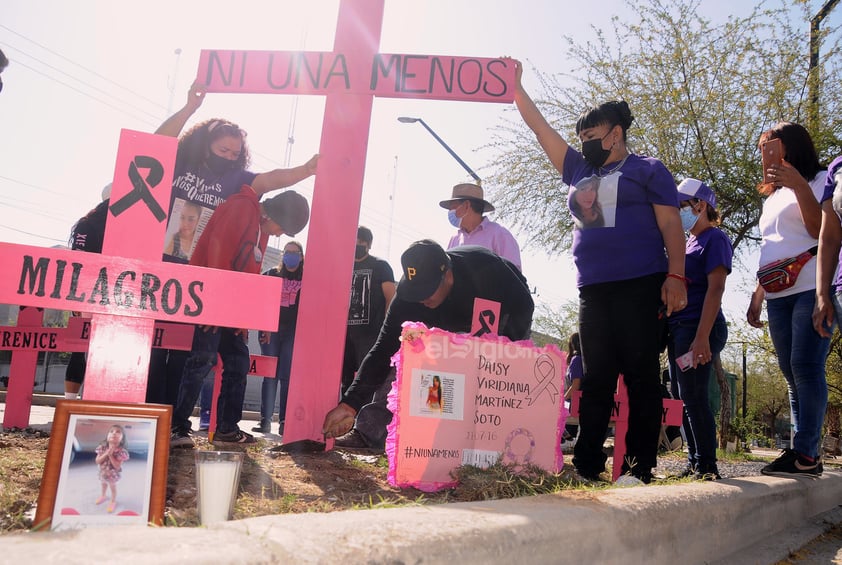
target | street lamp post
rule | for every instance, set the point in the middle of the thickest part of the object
(812, 78)
(408, 120)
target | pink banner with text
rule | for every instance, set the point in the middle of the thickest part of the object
(461, 400)
(89, 282)
(439, 77)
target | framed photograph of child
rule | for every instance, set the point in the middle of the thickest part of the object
(106, 465)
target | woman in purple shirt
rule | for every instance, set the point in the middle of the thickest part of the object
(699, 332)
(625, 277)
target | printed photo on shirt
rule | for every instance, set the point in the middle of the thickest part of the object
(593, 202)
(359, 312)
(186, 223)
(438, 394)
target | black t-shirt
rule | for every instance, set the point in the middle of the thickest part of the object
(290, 291)
(89, 232)
(368, 305)
(477, 273)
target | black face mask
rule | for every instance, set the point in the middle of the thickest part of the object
(361, 251)
(219, 164)
(594, 153)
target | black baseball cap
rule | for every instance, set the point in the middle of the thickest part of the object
(424, 265)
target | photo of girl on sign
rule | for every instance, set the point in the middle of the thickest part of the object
(434, 394)
(437, 394)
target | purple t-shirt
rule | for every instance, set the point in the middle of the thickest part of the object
(830, 187)
(703, 253)
(196, 193)
(616, 236)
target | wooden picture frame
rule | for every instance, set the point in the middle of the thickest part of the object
(77, 492)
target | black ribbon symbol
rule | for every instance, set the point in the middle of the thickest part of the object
(141, 187)
(483, 316)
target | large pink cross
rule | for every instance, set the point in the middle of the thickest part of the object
(127, 287)
(350, 76)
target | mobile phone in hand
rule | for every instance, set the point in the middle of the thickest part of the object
(772, 153)
(685, 361)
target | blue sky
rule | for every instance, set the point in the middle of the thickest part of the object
(83, 70)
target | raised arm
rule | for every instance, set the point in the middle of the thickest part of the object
(283, 178)
(175, 123)
(554, 145)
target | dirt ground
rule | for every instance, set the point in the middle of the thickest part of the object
(271, 482)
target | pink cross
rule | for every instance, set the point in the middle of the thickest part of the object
(349, 76)
(127, 287)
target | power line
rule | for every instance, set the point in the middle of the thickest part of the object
(71, 61)
(110, 105)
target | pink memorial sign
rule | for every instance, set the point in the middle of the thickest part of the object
(349, 77)
(462, 400)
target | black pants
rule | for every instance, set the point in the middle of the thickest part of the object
(620, 333)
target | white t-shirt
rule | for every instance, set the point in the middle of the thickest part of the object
(784, 234)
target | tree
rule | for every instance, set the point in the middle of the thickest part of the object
(767, 393)
(701, 94)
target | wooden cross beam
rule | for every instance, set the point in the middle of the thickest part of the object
(127, 287)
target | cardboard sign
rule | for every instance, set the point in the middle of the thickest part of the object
(486, 317)
(437, 77)
(90, 282)
(461, 400)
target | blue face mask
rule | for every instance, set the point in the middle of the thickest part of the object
(688, 218)
(291, 260)
(454, 220)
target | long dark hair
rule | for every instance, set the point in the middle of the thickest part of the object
(799, 151)
(615, 112)
(573, 347)
(194, 144)
(92, 225)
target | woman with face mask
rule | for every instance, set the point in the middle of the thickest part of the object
(212, 161)
(210, 166)
(279, 344)
(699, 332)
(625, 277)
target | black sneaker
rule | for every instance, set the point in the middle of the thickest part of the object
(689, 471)
(237, 436)
(707, 473)
(790, 464)
(263, 428)
(181, 439)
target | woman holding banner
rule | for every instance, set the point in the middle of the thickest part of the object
(624, 277)
(211, 165)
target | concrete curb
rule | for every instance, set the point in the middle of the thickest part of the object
(683, 523)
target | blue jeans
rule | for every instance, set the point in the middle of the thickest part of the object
(620, 333)
(801, 356)
(280, 346)
(235, 365)
(691, 386)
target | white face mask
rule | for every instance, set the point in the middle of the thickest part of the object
(688, 218)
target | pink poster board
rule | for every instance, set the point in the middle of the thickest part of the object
(498, 400)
